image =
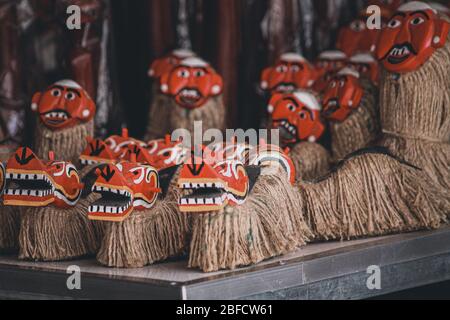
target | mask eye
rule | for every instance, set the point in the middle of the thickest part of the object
(70, 96)
(333, 84)
(291, 107)
(342, 83)
(394, 23)
(295, 68)
(302, 115)
(417, 21)
(183, 74)
(199, 73)
(56, 92)
(358, 26)
(282, 69)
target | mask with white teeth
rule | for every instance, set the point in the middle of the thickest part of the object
(32, 182)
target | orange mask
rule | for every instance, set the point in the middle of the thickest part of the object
(63, 105)
(297, 115)
(165, 64)
(342, 96)
(32, 182)
(366, 65)
(327, 64)
(291, 72)
(123, 187)
(411, 37)
(192, 83)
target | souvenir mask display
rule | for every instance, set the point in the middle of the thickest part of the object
(123, 188)
(366, 65)
(63, 105)
(35, 183)
(191, 83)
(165, 64)
(342, 96)
(291, 72)
(412, 35)
(297, 115)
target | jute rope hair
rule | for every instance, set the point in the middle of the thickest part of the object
(311, 160)
(146, 237)
(360, 130)
(415, 115)
(67, 144)
(9, 228)
(371, 194)
(266, 225)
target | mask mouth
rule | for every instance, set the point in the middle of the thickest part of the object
(287, 130)
(400, 53)
(331, 107)
(286, 87)
(113, 202)
(203, 197)
(56, 117)
(189, 96)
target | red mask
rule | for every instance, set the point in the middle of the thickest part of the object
(342, 96)
(411, 37)
(124, 187)
(32, 182)
(297, 115)
(63, 105)
(291, 72)
(214, 185)
(165, 64)
(366, 65)
(192, 83)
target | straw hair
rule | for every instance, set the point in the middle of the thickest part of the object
(52, 234)
(67, 144)
(360, 130)
(311, 160)
(415, 115)
(9, 228)
(265, 226)
(146, 237)
(371, 194)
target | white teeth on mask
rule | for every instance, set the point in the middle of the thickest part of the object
(189, 93)
(59, 115)
(399, 52)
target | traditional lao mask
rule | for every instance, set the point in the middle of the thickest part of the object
(165, 64)
(343, 95)
(63, 105)
(366, 65)
(191, 83)
(213, 186)
(123, 188)
(330, 61)
(411, 37)
(32, 182)
(297, 115)
(291, 72)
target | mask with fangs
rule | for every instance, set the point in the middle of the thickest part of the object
(123, 187)
(165, 64)
(342, 96)
(366, 65)
(411, 37)
(191, 83)
(291, 72)
(297, 115)
(63, 105)
(32, 182)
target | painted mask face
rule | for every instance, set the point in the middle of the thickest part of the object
(366, 65)
(63, 105)
(297, 115)
(343, 95)
(330, 61)
(110, 150)
(213, 186)
(2, 178)
(411, 37)
(165, 64)
(123, 187)
(32, 182)
(192, 83)
(291, 72)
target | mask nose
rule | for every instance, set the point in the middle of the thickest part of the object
(61, 102)
(404, 34)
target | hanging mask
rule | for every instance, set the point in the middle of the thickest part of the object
(32, 182)
(366, 65)
(165, 64)
(411, 37)
(192, 83)
(297, 115)
(291, 72)
(63, 105)
(123, 188)
(343, 95)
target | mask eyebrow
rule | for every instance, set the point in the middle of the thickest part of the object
(293, 101)
(74, 91)
(400, 14)
(56, 87)
(422, 13)
(311, 114)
